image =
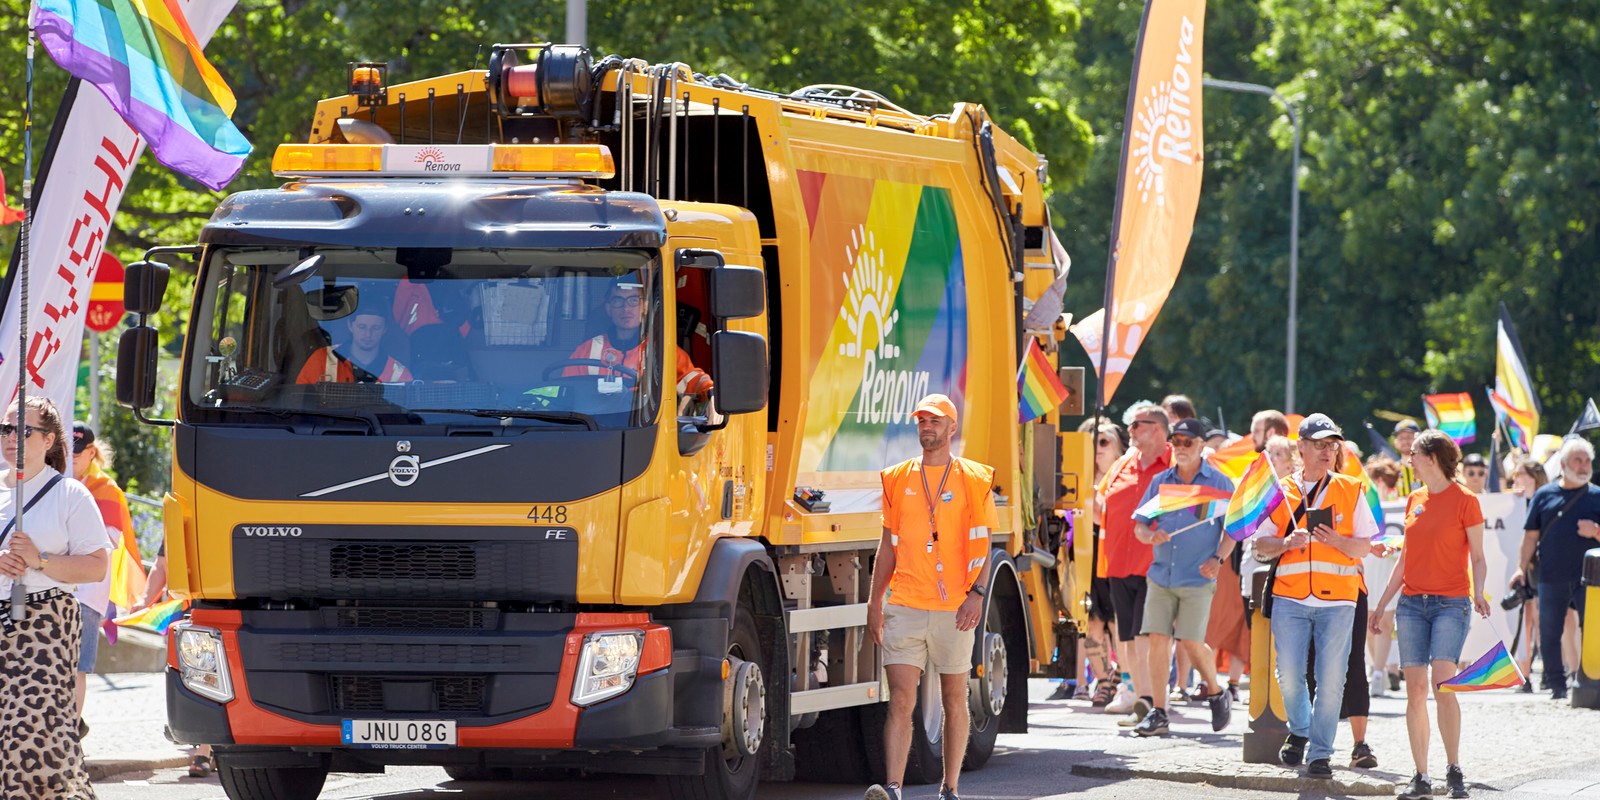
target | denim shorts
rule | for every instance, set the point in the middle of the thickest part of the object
(89, 648)
(1431, 628)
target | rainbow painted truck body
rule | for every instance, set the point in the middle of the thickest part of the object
(513, 558)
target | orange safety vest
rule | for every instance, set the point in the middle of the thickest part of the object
(963, 548)
(326, 366)
(691, 379)
(1319, 570)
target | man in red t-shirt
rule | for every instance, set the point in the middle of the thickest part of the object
(1128, 559)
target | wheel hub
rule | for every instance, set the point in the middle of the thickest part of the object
(989, 696)
(744, 703)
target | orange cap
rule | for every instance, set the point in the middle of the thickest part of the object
(937, 405)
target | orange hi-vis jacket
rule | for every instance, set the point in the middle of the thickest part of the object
(1317, 570)
(691, 379)
(326, 366)
(965, 515)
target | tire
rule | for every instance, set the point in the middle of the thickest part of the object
(271, 783)
(985, 719)
(925, 760)
(478, 774)
(723, 777)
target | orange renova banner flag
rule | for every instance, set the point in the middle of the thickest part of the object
(1158, 185)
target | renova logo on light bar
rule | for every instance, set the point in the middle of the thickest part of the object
(432, 160)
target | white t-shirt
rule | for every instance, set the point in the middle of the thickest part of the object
(64, 522)
(1363, 527)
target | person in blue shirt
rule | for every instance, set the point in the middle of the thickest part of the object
(1188, 552)
(1563, 523)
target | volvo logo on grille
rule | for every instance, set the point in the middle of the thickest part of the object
(403, 470)
(271, 530)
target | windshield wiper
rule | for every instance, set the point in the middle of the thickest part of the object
(373, 426)
(568, 417)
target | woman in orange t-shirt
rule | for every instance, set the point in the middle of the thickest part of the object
(1444, 531)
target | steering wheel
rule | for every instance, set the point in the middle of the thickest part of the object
(613, 370)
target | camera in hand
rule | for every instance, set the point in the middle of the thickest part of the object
(1517, 594)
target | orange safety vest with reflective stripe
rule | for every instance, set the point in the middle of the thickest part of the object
(1319, 570)
(691, 379)
(963, 547)
(326, 366)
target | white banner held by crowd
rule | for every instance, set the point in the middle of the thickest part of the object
(82, 186)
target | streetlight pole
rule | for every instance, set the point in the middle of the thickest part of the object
(1294, 222)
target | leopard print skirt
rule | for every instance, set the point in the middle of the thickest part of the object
(40, 756)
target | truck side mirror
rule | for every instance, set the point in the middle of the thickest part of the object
(143, 285)
(743, 374)
(697, 258)
(737, 292)
(136, 367)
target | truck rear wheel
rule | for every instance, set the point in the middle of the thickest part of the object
(988, 691)
(733, 770)
(271, 783)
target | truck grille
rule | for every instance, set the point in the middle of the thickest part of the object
(398, 654)
(405, 619)
(416, 569)
(384, 561)
(462, 694)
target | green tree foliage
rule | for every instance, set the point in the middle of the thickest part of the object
(1446, 167)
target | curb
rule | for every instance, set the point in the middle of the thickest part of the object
(1116, 769)
(101, 769)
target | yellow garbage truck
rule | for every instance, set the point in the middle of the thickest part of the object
(532, 426)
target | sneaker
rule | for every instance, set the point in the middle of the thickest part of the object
(1294, 749)
(1141, 709)
(1221, 710)
(1456, 782)
(1123, 702)
(1527, 687)
(1418, 789)
(1063, 692)
(1319, 768)
(876, 792)
(1375, 684)
(1104, 692)
(1153, 724)
(947, 794)
(1362, 758)
(1559, 693)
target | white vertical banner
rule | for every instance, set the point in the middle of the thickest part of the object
(81, 186)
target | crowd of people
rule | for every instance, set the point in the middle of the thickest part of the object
(1177, 578)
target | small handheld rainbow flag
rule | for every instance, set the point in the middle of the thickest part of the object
(1496, 670)
(1253, 500)
(1039, 391)
(1177, 497)
(158, 617)
(1453, 414)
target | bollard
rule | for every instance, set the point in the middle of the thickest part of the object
(1586, 690)
(1269, 724)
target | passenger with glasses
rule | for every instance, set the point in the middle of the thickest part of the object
(61, 543)
(619, 353)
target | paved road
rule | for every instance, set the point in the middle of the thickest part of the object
(1040, 763)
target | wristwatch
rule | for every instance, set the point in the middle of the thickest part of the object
(1219, 559)
(44, 561)
(978, 588)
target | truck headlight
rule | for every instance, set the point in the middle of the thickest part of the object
(202, 663)
(606, 666)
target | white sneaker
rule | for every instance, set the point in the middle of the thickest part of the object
(1376, 683)
(1123, 702)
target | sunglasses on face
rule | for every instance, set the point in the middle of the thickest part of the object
(8, 429)
(1183, 441)
(1104, 442)
(1477, 473)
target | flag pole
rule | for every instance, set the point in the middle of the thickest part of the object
(19, 592)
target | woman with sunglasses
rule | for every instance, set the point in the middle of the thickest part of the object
(61, 543)
(1110, 443)
(1444, 537)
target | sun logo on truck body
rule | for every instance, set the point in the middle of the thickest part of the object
(869, 295)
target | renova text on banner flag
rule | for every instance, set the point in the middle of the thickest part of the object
(1158, 185)
(147, 61)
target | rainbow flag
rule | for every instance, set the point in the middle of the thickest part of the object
(1177, 497)
(1496, 670)
(1039, 391)
(142, 55)
(1253, 500)
(158, 617)
(1233, 458)
(1453, 414)
(1514, 383)
(1518, 421)
(1369, 490)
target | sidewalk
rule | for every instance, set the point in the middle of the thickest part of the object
(1508, 738)
(127, 716)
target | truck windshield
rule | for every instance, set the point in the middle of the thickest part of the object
(423, 336)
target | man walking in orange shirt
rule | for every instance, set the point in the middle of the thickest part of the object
(933, 564)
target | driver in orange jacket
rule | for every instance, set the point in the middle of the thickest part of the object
(624, 348)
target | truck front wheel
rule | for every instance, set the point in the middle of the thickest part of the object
(733, 769)
(271, 783)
